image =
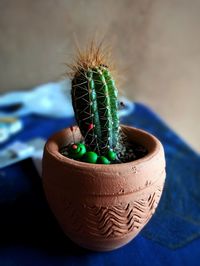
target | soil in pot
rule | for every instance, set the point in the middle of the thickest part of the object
(129, 152)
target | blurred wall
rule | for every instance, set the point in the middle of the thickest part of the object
(156, 45)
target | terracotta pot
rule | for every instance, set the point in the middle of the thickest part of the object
(103, 207)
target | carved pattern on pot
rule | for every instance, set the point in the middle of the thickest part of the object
(113, 221)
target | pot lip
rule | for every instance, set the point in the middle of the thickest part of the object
(157, 147)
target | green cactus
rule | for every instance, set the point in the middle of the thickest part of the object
(95, 103)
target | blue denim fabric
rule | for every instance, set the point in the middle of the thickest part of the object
(30, 235)
(177, 219)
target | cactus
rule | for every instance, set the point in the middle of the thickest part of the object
(95, 103)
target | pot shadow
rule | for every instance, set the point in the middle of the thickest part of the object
(26, 219)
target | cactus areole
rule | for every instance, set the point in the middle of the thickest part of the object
(95, 103)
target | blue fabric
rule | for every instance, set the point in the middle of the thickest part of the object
(177, 219)
(30, 235)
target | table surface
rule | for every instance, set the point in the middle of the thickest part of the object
(30, 235)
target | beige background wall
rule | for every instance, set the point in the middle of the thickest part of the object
(156, 44)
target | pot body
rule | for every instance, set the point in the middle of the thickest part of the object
(103, 207)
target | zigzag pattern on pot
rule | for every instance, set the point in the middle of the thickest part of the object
(114, 221)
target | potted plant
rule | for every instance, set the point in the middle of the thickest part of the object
(102, 180)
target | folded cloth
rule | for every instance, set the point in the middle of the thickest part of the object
(51, 99)
(177, 218)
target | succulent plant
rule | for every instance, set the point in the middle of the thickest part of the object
(95, 102)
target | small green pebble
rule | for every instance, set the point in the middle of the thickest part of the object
(77, 153)
(103, 160)
(90, 157)
(111, 155)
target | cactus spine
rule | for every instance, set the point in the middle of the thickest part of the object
(95, 103)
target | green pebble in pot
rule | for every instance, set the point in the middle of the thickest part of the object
(76, 151)
(103, 160)
(111, 155)
(90, 157)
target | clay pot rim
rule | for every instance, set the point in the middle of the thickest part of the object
(152, 152)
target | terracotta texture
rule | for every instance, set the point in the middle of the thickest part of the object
(103, 207)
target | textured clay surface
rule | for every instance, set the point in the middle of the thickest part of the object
(103, 207)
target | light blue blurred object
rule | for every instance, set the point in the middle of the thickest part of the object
(51, 99)
(18, 151)
(8, 127)
(128, 106)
